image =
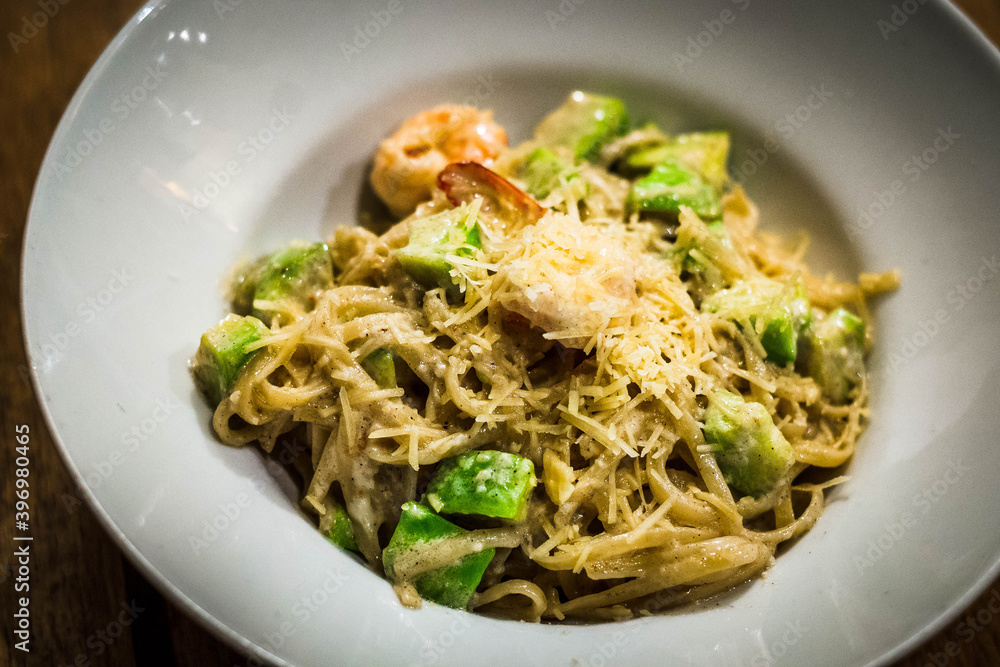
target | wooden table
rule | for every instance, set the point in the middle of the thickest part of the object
(80, 581)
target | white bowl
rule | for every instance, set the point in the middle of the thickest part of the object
(211, 131)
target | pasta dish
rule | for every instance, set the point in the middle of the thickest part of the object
(574, 381)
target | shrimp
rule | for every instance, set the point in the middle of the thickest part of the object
(569, 279)
(409, 161)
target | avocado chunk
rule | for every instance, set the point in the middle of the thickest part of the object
(704, 152)
(752, 453)
(293, 276)
(544, 171)
(777, 312)
(244, 284)
(671, 185)
(706, 250)
(583, 125)
(337, 528)
(451, 585)
(381, 365)
(221, 355)
(432, 239)
(835, 354)
(485, 483)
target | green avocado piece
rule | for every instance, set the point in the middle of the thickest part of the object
(835, 354)
(340, 531)
(297, 273)
(451, 585)
(752, 453)
(704, 152)
(221, 355)
(432, 239)
(671, 185)
(244, 284)
(583, 125)
(544, 171)
(699, 257)
(381, 365)
(778, 312)
(485, 483)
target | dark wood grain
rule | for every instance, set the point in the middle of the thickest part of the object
(80, 582)
(76, 583)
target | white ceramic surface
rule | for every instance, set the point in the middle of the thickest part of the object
(207, 132)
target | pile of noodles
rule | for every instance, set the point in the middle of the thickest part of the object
(632, 514)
